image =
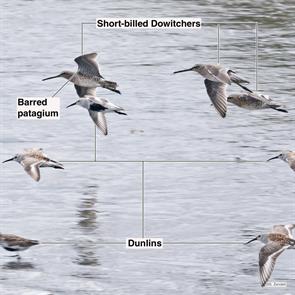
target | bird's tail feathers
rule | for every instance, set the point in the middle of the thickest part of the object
(120, 113)
(52, 164)
(236, 79)
(110, 85)
(239, 81)
(34, 242)
(277, 108)
(244, 87)
(291, 242)
(58, 167)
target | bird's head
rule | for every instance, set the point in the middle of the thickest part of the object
(263, 238)
(255, 239)
(64, 74)
(74, 103)
(195, 68)
(283, 156)
(232, 97)
(15, 158)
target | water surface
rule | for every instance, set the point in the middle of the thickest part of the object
(83, 214)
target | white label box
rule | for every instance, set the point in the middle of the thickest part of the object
(38, 108)
(144, 243)
(149, 23)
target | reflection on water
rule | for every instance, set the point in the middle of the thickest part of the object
(87, 254)
(18, 265)
(86, 211)
(87, 223)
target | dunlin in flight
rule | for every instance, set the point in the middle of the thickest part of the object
(33, 159)
(254, 101)
(97, 107)
(279, 239)
(15, 243)
(288, 157)
(88, 75)
(216, 80)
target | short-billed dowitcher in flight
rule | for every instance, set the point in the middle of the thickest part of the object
(254, 101)
(216, 80)
(279, 239)
(33, 159)
(88, 75)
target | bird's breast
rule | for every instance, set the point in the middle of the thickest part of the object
(85, 81)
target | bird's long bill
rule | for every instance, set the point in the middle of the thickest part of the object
(273, 158)
(71, 104)
(8, 160)
(251, 241)
(181, 71)
(51, 77)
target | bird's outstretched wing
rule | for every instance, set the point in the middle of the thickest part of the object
(100, 121)
(218, 96)
(267, 259)
(87, 64)
(82, 91)
(31, 166)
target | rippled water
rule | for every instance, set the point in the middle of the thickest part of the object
(77, 212)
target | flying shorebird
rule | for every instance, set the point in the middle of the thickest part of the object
(33, 159)
(287, 156)
(88, 75)
(16, 243)
(254, 101)
(216, 80)
(97, 107)
(279, 239)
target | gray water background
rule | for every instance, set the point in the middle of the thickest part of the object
(75, 211)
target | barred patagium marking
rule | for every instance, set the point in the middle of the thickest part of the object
(97, 108)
